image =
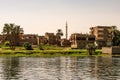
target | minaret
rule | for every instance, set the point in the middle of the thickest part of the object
(66, 30)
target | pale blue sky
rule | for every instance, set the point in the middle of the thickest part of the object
(40, 16)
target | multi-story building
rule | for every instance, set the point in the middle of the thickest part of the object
(65, 43)
(79, 40)
(103, 35)
(51, 38)
(41, 39)
(31, 38)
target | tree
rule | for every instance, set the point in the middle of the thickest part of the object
(91, 48)
(28, 46)
(59, 33)
(7, 43)
(6, 29)
(12, 31)
(116, 38)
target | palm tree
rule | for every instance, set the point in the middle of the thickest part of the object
(12, 31)
(6, 29)
(59, 33)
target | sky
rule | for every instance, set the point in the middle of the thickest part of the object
(40, 16)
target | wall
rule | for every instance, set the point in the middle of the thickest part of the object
(111, 50)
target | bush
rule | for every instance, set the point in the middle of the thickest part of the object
(91, 48)
(28, 46)
(41, 46)
(7, 43)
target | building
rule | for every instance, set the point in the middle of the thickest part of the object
(80, 41)
(65, 43)
(103, 35)
(42, 39)
(31, 38)
(2, 39)
(51, 38)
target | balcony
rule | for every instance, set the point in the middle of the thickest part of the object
(100, 38)
(100, 29)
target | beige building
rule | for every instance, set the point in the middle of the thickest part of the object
(65, 43)
(41, 39)
(31, 38)
(103, 35)
(51, 38)
(81, 40)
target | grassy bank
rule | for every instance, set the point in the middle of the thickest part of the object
(46, 53)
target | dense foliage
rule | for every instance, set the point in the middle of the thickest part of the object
(7, 43)
(116, 38)
(59, 33)
(91, 48)
(27, 46)
(11, 33)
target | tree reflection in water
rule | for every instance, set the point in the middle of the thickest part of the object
(61, 68)
(11, 68)
(107, 68)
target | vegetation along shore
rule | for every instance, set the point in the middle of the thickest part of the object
(46, 53)
(13, 42)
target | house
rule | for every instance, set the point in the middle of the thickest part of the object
(31, 38)
(65, 43)
(51, 38)
(41, 39)
(103, 35)
(79, 40)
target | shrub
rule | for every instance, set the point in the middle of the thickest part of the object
(28, 46)
(91, 48)
(7, 43)
(41, 46)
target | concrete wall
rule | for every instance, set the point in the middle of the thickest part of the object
(115, 49)
(111, 50)
(107, 50)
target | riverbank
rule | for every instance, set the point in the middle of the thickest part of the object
(45, 53)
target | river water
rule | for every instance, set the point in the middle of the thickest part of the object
(60, 68)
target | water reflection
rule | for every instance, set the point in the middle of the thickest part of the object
(10, 68)
(108, 68)
(60, 68)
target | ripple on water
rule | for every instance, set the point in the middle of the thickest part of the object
(60, 68)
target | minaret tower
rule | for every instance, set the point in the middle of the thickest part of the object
(66, 30)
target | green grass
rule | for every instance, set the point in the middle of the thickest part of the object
(51, 47)
(46, 53)
(49, 51)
